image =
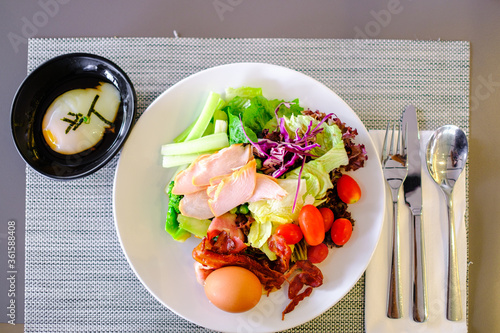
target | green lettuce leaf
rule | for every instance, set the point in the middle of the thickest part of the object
(236, 133)
(256, 113)
(316, 177)
(316, 173)
(259, 233)
(332, 159)
(332, 154)
(328, 138)
(245, 92)
(280, 211)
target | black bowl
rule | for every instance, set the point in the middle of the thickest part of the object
(38, 91)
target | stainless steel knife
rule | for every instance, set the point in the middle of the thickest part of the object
(412, 188)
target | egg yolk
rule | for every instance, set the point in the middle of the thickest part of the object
(77, 119)
(233, 289)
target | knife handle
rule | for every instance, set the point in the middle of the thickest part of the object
(419, 274)
(394, 302)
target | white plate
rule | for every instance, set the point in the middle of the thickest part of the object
(165, 267)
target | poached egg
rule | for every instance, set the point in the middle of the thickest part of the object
(77, 120)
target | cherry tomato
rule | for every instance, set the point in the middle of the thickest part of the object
(290, 232)
(312, 225)
(327, 217)
(348, 190)
(341, 231)
(318, 253)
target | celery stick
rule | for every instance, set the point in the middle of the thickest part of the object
(214, 141)
(179, 160)
(209, 130)
(220, 115)
(222, 103)
(181, 137)
(206, 114)
(220, 126)
(195, 226)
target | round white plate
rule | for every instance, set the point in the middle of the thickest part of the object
(165, 266)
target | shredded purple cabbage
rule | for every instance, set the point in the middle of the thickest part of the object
(279, 156)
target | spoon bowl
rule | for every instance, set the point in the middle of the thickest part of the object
(447, 152)
(446, 156)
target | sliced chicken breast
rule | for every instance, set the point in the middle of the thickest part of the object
(183, 182)
(222, 163)
(267, 188)
(196, 205)
(234, 189)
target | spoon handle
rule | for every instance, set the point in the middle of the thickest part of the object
(394, 302)
(419, 274)
(454, 306)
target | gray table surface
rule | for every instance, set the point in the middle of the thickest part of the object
(475, 21)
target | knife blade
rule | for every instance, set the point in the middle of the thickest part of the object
(412, 188)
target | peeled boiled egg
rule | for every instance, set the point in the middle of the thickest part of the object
(233, 289)
(76, 120)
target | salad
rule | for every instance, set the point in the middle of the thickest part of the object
(262, 183)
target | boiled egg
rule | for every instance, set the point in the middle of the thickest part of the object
(76, 120)
(233, 289)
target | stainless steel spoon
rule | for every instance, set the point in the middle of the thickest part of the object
(446, 156)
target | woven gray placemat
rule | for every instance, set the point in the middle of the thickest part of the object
(77, 278)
